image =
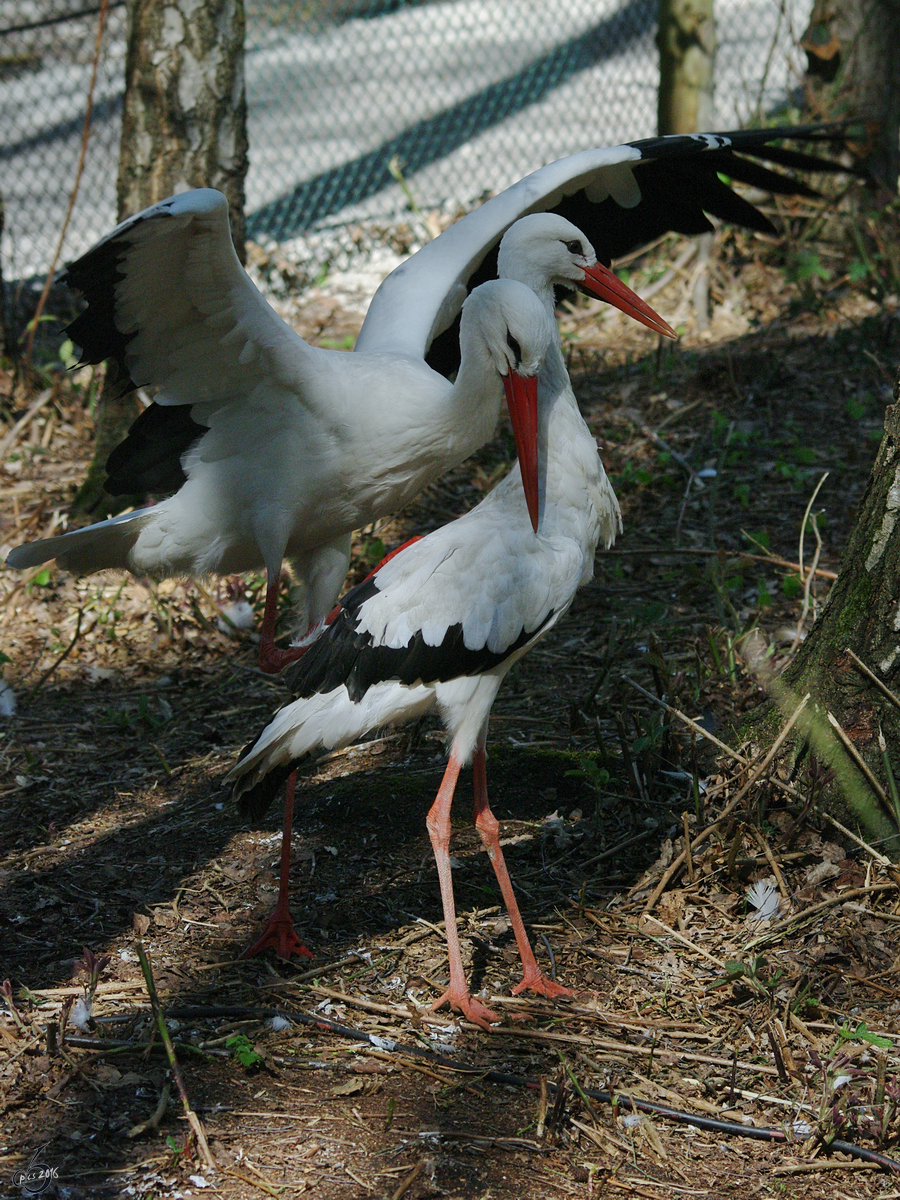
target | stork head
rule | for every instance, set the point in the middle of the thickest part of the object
(516, 332)
(545, 251)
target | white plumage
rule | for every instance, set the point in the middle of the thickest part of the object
(275, 449)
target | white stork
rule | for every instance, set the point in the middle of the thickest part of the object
(443, 621)
(275, 449)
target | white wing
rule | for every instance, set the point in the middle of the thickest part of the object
(676, 183)
(170, 301)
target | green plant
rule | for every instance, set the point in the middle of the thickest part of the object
(861, 1033)
(754, 973)
(242, 1049)
(596, 777)
(175, 1150)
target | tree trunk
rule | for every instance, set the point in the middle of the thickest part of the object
(859, 624)
(853, 51)
(687, 44)
(184, 125)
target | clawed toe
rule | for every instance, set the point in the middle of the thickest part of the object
(540, 985)
(470, 1008)
(280, 936)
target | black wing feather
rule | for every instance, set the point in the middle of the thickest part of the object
(343, 655)
(149, 459)
(97, 276)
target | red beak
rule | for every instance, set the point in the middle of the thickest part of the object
(521, 397)
(600, 281)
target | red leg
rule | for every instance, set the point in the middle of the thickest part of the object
(271, 659)
(279, 932)
(489, 828)
(438, 823)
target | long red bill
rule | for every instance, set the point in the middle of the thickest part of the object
(600, 281)
(521, 397)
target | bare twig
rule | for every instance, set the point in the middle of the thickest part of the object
(881, 859)
(153, 1121)
(192, 1119)
(410, 1179)
(62, 657)
(806, 913)
(859, 761)
(873, 678)
(33, 409)
(771, 860)
(685, 941)
(678, 862)
(808, 577)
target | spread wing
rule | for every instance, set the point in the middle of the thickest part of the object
(621, 197)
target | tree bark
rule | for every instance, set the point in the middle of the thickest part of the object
(184, 125)
(687, 44)
(853, 52)
(860, 618)
(184, 122)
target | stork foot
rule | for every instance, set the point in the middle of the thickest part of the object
(470, 1008)
(534, 981)
(272, 660)
(280, 936)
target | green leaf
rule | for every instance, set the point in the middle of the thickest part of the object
(242, 1049)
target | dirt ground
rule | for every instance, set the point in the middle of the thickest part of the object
(750, 976)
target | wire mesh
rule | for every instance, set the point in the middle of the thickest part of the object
(457, 97)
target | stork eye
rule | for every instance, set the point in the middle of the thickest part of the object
(574, 248)
(514, 346)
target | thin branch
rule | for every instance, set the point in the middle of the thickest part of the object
(192, 1119)
(873, 678)
(859, 761)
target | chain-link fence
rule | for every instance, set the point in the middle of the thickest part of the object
(459, 96)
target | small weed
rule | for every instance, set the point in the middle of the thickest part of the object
(754, 973)
(175, 1150)
(596, 777)
(630, 477)
(805, 266)
(133, 719)
(861, 1033)
(42, 579)
(242, 1049)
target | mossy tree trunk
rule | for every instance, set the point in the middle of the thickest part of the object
(184, 125)
(853, 53)
(858, 628)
